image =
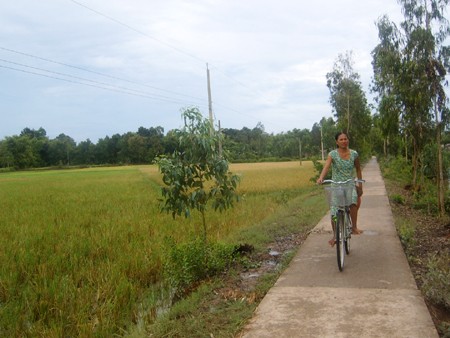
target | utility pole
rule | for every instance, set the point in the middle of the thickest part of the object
(209, 100)
(348, 115)
(211, 120)
(300, 149)
(220, 141)
(321, 139)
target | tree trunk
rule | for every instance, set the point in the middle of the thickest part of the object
(415, 163)
(204, 226)
(440, 175)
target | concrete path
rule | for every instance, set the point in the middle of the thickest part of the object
(375, 295)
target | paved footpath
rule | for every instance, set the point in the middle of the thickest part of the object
(375, 295)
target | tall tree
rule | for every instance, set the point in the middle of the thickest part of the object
(410, 66)
(6, 156)
(386, 64)
(429, 30)
(61, 149)
(349, 102)
(85, 152)
(323, 136)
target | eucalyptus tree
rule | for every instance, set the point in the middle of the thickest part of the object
(386, 64)
(323, 134)
(410, 66)
(6, 156)
(305, 147)
(22, 150)
(107, 149)
(429, 30)
(258, 140)
(61, 149)
(85, 152)
(349, 102)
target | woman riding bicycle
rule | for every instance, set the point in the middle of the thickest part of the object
(343, 161)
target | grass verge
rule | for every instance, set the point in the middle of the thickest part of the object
(425, 240)
(220, 306)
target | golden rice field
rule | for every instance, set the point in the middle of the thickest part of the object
(80, 249)
(264, 177)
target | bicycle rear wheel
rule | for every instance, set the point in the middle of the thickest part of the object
(340, 251)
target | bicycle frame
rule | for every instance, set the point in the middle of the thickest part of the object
(340, 194)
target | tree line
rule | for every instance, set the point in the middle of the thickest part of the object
(32, 148)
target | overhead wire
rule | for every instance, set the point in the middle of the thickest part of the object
(107, 86)
(98, 73)
(165, 44)
(137, 31)
(159, 41)
(93, 84)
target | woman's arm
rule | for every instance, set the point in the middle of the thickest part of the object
(359, 190)
(358, 168)
(325, 169)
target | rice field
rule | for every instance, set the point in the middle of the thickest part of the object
(81, 249)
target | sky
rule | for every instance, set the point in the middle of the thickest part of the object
(95, 68)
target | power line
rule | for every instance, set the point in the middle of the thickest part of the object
(80, 78)
(119, 89)
(138, 31)
(160, 41)
(170, 46)
(97, 73)
(93, 84)
(101, 85)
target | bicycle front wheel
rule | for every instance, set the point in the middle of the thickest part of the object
(348, 232)
(340, 237)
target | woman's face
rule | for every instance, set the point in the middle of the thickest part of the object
(342, 141)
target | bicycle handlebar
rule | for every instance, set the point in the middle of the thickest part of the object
(356, 180)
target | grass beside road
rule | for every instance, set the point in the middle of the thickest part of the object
(82, 249)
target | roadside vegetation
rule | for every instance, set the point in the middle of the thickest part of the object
(425, 237)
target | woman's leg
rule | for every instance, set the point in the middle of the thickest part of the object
(332, 241)
(354, 215)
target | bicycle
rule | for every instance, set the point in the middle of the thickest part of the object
(340, 197)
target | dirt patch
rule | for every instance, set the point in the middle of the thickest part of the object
(270, 261)
(243, 285)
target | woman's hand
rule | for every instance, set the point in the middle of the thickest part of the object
(359, 190)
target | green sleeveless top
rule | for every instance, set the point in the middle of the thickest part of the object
(342, 170)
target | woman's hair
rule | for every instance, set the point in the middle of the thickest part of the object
(339, 134)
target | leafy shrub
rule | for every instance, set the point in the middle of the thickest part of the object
(188, 263)
(444, 328)
(397, 198)
(426, 202)
(406, 232)
(318, 167)
(397, 168)
(430, 161)
(282, 197)
(447, 203)
(436, 282)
